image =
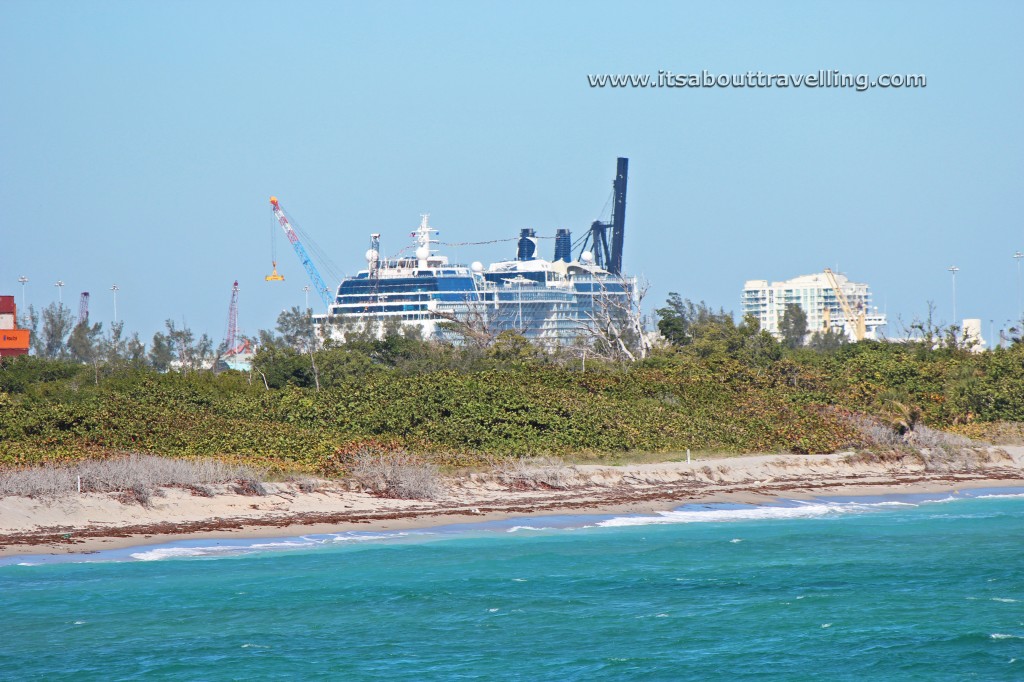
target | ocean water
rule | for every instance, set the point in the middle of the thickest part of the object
(902, 587)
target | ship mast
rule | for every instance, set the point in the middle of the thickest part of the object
(424, 239)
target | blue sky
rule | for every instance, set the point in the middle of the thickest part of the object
(139, 143)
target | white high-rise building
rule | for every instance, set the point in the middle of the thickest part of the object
(814, 293)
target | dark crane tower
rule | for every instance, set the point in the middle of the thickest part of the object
(83, 308)
(608, 256)
(619, 215)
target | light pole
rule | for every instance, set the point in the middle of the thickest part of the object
(60, 291)
(1020, 310)
(115, 289)
(954, 269)
(24, 280)
(306, 289)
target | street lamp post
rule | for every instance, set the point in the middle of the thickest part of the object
(954, 269)
(60, 291)
(1020, 310)
(24, 280)
(115, 289)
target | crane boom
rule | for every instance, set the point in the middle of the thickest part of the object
(300, 251)
(856, 321)
(232, 333)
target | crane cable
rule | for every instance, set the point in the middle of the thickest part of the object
(492, 241)
(316, 251)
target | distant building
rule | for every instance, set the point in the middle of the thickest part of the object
(814, 293)
(971, 337)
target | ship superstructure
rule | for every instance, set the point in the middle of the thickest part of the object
(554, 302)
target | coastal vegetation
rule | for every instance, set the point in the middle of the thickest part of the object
(713, 385)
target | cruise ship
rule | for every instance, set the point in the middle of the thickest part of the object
(557, 302)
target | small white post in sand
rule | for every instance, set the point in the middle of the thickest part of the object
(79, 485)
(687, 456)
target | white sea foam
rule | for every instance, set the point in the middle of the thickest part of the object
(735, 540)
(367, 537)
(1005, 600)
(282, 545)
(79, 622)
(1001, 496)
(797, 511)
(161, 553)
(825, 626)
(516, 529)
(1000, 635)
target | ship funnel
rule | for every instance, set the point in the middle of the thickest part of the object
(527, 244)
(563, 245)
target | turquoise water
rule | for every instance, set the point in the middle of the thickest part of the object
(851, 589)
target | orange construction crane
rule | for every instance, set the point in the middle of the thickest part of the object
(856, 322)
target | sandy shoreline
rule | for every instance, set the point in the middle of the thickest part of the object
(94, 522)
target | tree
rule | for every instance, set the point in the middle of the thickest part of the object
(57, 324)
(112, 347)
(675, 319)
(704, 332)
(613, 328)
(926, 329)
(296, 329)
(179, 347)
(793, 326)
(474, 325)
(84, 342)
(1016, 337)
(682, 321)
(135, 350)
(161, 352)
(827, 341)
(30, 320)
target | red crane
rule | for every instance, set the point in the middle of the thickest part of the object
(231, 344)
(229, 341)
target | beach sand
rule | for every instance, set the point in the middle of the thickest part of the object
(92, 522)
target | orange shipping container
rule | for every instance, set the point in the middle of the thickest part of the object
(14, 342)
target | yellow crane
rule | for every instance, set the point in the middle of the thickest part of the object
(855, 321)
(274, 277)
